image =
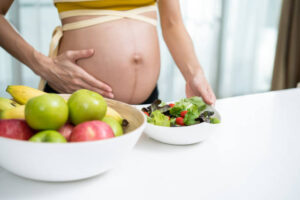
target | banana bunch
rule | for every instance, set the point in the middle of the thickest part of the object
(14, 109)
(6, 104)
(114, 114)
(13, 113)
(10, 109)
(22, 93)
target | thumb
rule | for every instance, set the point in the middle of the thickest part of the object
(78, 54)
(209, 96)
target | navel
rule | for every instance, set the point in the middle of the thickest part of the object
(137, 58)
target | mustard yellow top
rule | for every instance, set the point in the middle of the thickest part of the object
(67, 5)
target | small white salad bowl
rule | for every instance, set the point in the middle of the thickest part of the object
(183, 135)
(72, 161)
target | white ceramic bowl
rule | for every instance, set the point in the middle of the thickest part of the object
(182, 135)
(71, 161)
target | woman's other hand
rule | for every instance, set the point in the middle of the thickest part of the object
(181, 47)
(65, 76)
(197, 85)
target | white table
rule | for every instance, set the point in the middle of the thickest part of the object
(256, 156)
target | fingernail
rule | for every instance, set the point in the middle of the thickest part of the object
(111, 95)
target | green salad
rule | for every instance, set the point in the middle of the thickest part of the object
(186, 112)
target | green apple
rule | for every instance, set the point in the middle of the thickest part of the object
(85, 105)
(48, 111)
(114, 124)
(48, 136)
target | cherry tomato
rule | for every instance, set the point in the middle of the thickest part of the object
(179, 121)
(171, 105)
(183, 113)
(146, 113)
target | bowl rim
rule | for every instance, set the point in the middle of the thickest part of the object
(185, 127)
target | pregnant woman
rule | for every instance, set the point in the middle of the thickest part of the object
(111, 47)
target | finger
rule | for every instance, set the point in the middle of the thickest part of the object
(212, 95)
(104, 93)
(203, 92)
(91, 80)
(208, 96)
(78, 54)
(57, 88)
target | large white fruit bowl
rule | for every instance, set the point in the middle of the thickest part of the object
(72, 161)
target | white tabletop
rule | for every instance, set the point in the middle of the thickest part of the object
(256, 156)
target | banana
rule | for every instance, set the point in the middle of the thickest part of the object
(113, 113)
(22, 93)
(13, 113)
(7, 104)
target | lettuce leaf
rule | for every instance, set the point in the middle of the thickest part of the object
(192, 114)
(157, 105)
(198, 102)
(180, 106)
(214, 120)
(159, 119)
(173, 122)
(185, 104)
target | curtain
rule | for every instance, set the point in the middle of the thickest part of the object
(287, 63)
(248, 43)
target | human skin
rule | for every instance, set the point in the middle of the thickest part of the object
(126, 55)
(117, 59)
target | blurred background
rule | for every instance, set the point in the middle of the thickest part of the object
(235, 41)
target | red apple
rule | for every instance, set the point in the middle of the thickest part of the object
(91, 130)
(66, 130)
(15, 129)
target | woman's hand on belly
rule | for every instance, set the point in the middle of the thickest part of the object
(65, 76)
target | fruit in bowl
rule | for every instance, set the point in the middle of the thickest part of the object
(51, 112)
(114, 124)
(46, 112)
(91, 130)
(53, 155)
(66, 130)
(85, 105)
(48, 136)
(15, 129)
(187, 121)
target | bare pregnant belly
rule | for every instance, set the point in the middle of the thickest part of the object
(126, 56)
